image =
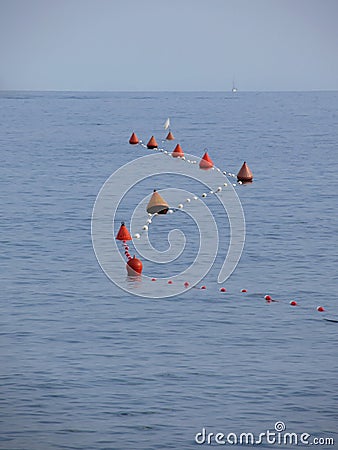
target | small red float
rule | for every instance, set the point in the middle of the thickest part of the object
(223, 289)
(244, 290)
(293, 303)
(320, 309)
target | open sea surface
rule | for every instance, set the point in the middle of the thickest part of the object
(85, 365)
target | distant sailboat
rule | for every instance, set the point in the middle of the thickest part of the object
(234, 89)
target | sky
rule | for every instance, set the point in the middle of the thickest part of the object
(169, 45)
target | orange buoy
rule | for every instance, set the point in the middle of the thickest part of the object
(152, 143)
(123, 234)
(134, 266)
(244, 174)
(170, 136)
(134, 139)
(157, 204)
(206, 162)
(177, 151)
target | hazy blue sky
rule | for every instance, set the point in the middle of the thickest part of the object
(168, 44)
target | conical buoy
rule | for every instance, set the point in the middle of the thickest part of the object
(170, 136)
(245, 174)
(157, 204)
(206, 162)
(177, 151)
(123, 234)
(134, 139)
(134, 266)
(152, 143)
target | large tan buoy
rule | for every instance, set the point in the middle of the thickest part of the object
(245, 174)
(206, 162)
(157, 204)
(152, 143)
(177, 151)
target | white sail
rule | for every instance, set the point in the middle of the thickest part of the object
(166, 124)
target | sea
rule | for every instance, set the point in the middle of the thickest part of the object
(86, 364)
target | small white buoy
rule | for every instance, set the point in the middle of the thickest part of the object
(234, 184)
(224, 173)
(137, 236)
(219, 189)
(188, 200)
(165, 152)
(180, 206)
(145, 228)
(211, 192)
(225, 184)
(240, 182)
(183, 157)
(170, 211)
(195, 197)
(204, 195)
(149, 221)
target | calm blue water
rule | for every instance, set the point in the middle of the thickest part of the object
(85, 365)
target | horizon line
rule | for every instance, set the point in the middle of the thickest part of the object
(166, 90)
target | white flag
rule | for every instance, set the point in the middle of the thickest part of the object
(166, 124)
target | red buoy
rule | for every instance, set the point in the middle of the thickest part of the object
(244, 174)
(203, 287)
(134, 267)
(170, 282)
(223, 289)
(320, 309)
(186, 284)
(123, 234)
(170, 136)
(177, 151)
(268, 298)
(244, 290)
(206, 162)
(152, 143)
(153, 279)
(293, 303)
(134, 139)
